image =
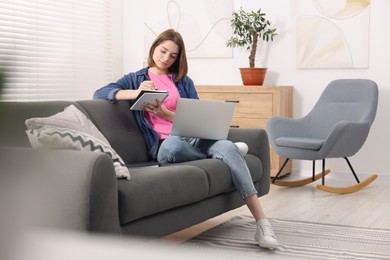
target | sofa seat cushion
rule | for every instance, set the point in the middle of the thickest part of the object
(218, 173)
(156, 189)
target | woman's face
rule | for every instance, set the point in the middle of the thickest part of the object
(165, 55)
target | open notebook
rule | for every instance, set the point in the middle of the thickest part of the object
(148, 96)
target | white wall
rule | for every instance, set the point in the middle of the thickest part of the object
(308, 84)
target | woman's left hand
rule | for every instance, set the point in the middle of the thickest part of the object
(160, 110)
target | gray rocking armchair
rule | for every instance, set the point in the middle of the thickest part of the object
(336, 127)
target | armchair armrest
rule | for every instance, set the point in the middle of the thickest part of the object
(345, 139)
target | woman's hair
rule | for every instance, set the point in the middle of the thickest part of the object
(180, 67)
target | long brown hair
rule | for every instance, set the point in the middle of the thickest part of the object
(180, 67)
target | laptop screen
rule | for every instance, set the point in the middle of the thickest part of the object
(205, 119)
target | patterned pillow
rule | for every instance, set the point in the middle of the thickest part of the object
(76, 130)
(70, 118)
(63, 138)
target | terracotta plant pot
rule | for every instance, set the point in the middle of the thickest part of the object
(253, 76)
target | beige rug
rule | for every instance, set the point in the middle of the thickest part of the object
(298, 240)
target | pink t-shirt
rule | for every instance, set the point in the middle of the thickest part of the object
(161, 125)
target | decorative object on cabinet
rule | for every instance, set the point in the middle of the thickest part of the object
(254, 106)
(248, 28)
(336, 127)
(253, 76)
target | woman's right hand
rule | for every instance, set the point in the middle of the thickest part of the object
(129, 94)
(147, 85)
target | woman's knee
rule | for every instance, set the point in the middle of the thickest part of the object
(225, 150)
(176, 149)
(167, 150)
(224, 146)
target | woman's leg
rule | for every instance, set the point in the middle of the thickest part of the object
(230, 154)
(254, 207)
(176, 149)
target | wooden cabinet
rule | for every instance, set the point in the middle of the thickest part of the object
(254, 105)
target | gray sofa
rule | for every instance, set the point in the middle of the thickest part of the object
(85, 193)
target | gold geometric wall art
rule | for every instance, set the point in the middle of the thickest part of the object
(332, 33)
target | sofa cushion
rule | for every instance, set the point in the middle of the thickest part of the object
(218, 173)
(63, 138)
(117, 123)
(155, 189)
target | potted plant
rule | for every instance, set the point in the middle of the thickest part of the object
(249, 29)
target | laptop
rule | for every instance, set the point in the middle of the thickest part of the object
(205, 119)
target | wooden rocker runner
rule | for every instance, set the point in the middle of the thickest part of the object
(321, 175)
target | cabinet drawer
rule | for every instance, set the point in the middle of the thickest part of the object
(247, 105)
(248, 122)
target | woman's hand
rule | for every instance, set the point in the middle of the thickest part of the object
(129, 94)
(159, 109)
(147, 85)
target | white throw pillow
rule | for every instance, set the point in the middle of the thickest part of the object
(71, 129)
(63, 138)
(71, 118)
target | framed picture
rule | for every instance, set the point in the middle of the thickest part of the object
(332, 33)
(204, 25)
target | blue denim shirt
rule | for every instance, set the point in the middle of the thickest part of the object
(133, 80)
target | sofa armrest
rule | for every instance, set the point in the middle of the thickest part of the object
(257, 141)
(62, 188)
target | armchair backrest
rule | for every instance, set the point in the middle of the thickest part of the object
(352, 100)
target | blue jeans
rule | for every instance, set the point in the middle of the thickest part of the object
(176, 149)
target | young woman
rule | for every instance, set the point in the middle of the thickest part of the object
(168, 71)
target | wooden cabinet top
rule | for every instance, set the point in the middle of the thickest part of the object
(246, 89)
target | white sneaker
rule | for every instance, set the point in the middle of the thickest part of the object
(242, 147)
(265, 235)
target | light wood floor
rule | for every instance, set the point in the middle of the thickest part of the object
(369, 207)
